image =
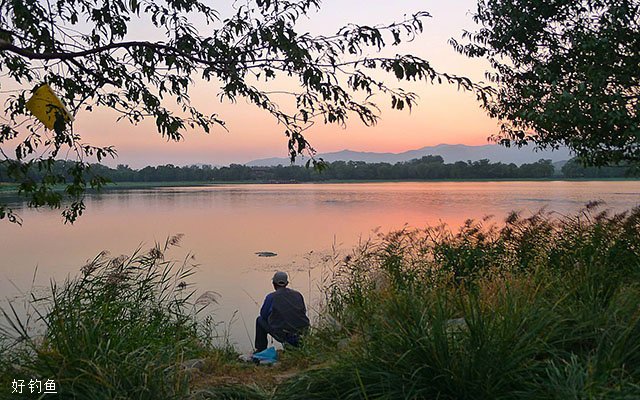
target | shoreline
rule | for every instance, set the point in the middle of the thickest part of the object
(9, 188)
(149, 185)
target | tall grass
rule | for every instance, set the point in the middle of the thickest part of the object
(542, 307)
(118, 331)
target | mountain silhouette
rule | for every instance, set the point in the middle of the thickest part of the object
(449, 152)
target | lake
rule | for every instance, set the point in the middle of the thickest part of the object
(225, 225)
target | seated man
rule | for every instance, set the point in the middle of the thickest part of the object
(283, 314)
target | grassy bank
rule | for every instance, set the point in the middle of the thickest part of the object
(537, 307)
(143, 185)
(541, 308)
(11, 188)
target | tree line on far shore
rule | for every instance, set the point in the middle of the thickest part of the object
(425, 168)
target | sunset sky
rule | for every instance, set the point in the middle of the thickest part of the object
(443, 115)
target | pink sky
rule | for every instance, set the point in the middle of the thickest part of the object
(443, 114)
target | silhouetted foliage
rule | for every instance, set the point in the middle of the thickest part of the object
(575, 169)
(83, 50)
(567, 74)
(425, 168)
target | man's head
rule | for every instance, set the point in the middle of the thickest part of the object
(280, 279)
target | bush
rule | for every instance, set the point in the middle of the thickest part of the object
(541, 308)
(118, 331)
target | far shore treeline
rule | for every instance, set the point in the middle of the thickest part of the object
(425, 168)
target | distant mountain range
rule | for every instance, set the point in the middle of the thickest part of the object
(449, 152)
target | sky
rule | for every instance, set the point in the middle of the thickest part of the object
(443, 114)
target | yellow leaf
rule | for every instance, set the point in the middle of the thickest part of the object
(44, 104)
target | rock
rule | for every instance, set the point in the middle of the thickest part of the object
(266, 254)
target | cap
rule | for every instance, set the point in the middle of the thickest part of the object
(280, 278)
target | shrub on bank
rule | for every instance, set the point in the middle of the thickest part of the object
(543, 307)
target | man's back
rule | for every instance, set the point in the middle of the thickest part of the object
(288, 312)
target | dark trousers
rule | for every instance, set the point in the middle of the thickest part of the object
(263, 329)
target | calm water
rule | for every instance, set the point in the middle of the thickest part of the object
(225, 225)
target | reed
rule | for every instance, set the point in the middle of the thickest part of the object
(541, 307)
(120, 330)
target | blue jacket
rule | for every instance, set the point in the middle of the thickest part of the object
(285, 312)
